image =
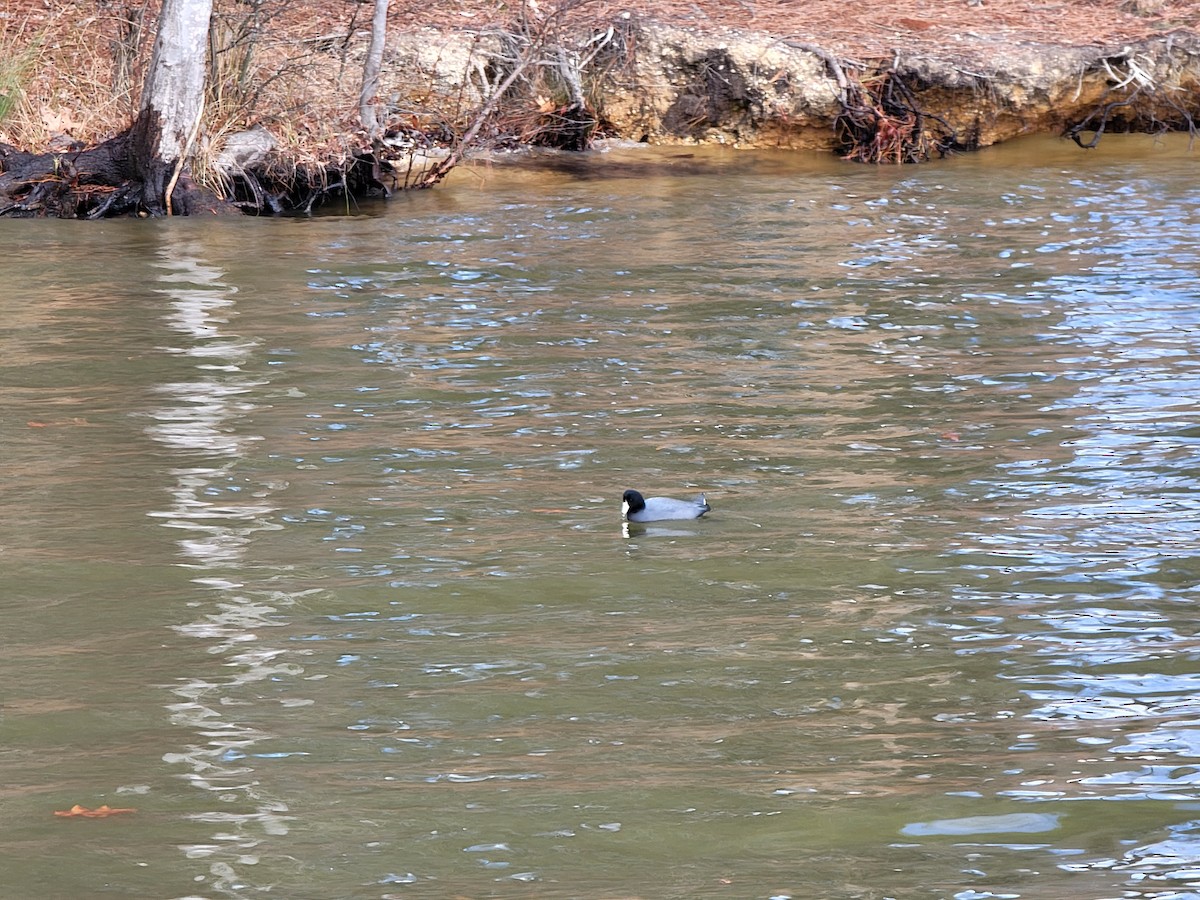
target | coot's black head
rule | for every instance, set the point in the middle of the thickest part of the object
(633, 502)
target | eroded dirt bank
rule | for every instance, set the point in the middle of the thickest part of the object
(908, 82)
(666, 83)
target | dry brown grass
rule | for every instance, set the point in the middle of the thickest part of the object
(68, 88)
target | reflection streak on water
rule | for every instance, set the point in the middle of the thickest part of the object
(219, 516)
(1107, 539)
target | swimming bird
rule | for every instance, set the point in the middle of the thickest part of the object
(637, 508)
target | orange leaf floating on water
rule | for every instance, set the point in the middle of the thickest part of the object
(74, 420)
(99, 812)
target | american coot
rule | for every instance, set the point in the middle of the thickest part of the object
(637, 508)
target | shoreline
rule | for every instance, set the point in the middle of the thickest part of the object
(281, 130)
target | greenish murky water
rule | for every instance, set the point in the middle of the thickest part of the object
(312, 557)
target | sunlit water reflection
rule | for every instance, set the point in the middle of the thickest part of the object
(313, 556)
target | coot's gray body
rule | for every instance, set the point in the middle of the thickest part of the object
(637, 508)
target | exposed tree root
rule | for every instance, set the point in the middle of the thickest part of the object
(882, 122)
(91, 183)
(1096, 121)
(1137, 104)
